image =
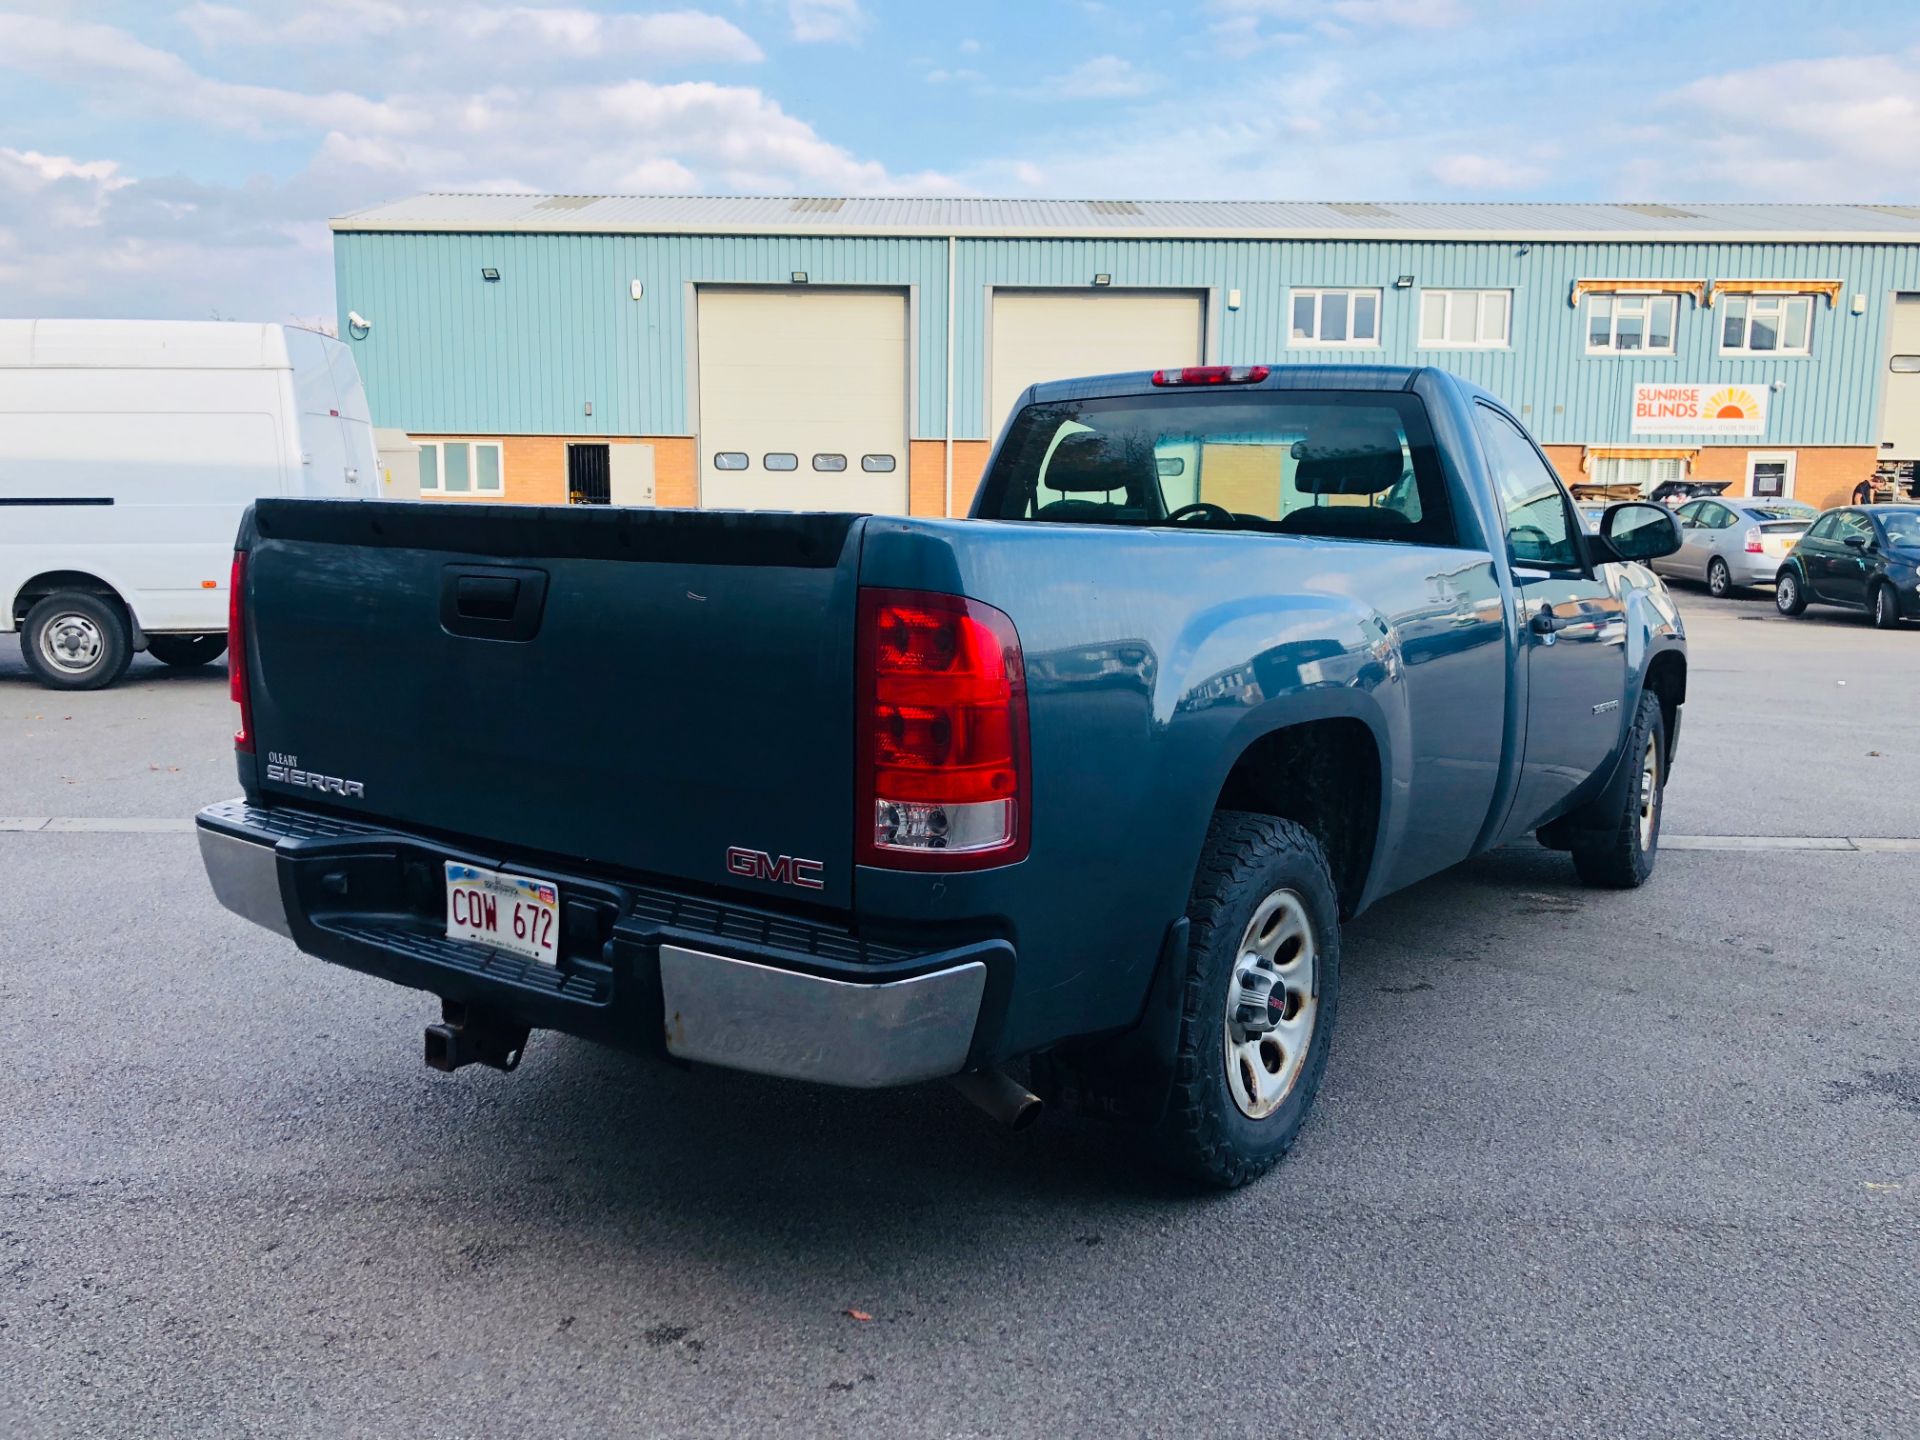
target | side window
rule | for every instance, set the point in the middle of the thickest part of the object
(1824, 527)
(1539, 527)
(1852, 522)
(1716, 516)
(1689, 515)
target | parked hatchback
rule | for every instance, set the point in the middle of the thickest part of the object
(1731, 543)
(1864, 557)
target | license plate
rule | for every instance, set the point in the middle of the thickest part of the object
(507, 912)
(1786, 547)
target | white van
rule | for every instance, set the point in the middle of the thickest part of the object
(128, 450)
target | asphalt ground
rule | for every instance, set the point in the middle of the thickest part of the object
(1584, 1164)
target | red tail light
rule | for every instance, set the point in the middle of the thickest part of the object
(1212, 375)
(1753, 541)
(237, 652)
(942, 734)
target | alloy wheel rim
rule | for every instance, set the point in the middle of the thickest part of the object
(1717, 580)
(72, 643)
(1272, 1001)
(1783, 592)
(1649, 793)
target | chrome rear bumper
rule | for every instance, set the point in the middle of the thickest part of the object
(643, 979)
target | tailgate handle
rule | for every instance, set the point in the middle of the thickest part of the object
(487, 597)
(492, 602)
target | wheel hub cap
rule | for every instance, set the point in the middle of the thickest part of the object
(1272, 999)
(72, 642)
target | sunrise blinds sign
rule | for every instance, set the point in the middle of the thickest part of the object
(1699, 409)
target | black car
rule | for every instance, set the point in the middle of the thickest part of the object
(1865, 557)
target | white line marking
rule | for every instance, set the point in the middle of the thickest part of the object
(1756, 842)
(91, 825)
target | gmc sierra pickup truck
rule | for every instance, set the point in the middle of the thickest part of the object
(1090, 778)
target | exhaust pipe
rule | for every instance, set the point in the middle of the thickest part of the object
(1001, 1096)
(467, 1035)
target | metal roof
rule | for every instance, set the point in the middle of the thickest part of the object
(493, 213)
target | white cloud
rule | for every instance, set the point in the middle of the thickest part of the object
(1469, 171)
(957, 77)
(509, 35)
(817, 20)
(1246, 27)
(1104, 77)
(85, 235)
(1841, 128)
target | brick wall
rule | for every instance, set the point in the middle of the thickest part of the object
(1823, 475)
(534, 467)
(927, 475)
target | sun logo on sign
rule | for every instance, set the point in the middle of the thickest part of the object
(1731, 403)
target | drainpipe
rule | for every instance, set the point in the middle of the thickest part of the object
(949, 444)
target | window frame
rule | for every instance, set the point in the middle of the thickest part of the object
(1611, 299)
(1787, 458)
(1450, 294)
(1319, 294)
(473, 491)
(1576, 526)
(1753, 300)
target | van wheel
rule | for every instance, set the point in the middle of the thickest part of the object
(1619, 851)
(185, 651)
(1257, 1005)
(76, 641)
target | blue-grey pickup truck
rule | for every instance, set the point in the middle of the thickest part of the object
(1090, 778)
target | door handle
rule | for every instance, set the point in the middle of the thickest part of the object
(1545, 622)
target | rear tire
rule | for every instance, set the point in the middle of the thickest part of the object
(1886, 607)
(185, 651)
(76, 641)
(1788, 596)
(1257, 1000)
(1719, 579)
(1620, 854)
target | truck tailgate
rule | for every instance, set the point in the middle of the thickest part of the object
(644, 690)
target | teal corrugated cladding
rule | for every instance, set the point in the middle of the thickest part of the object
(451, 353)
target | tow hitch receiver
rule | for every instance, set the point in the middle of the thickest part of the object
(470, 1033)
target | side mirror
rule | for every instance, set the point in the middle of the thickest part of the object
(1855, 542)
(1638, 530)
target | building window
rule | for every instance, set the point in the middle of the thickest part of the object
(877, 464)
(461, 467)
(1770, 474)
(781, 460)
(1642, 472)
(1463, 319)
(1766, 325)
(829, 462)
(1630, 324)
(729, 459)
(1336, 317)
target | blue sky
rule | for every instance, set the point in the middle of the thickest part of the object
(182, 158)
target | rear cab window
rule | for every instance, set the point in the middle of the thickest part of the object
(1332, 464)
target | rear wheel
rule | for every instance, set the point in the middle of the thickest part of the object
(1719, 578)
(1619, 851)
(1788, 598)
(1263, 967)
(1886, 607)
(185, 651)
(76, 641)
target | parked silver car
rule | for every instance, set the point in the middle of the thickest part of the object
(1733, 542)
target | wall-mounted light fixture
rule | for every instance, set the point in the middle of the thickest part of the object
(1233, 299)
(1404, 282)
(799, 277)
(1859, 306)
(1103, 279)
(489, 274)
(636, 289)
(589, 409)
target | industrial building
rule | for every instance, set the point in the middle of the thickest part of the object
(862, 353)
